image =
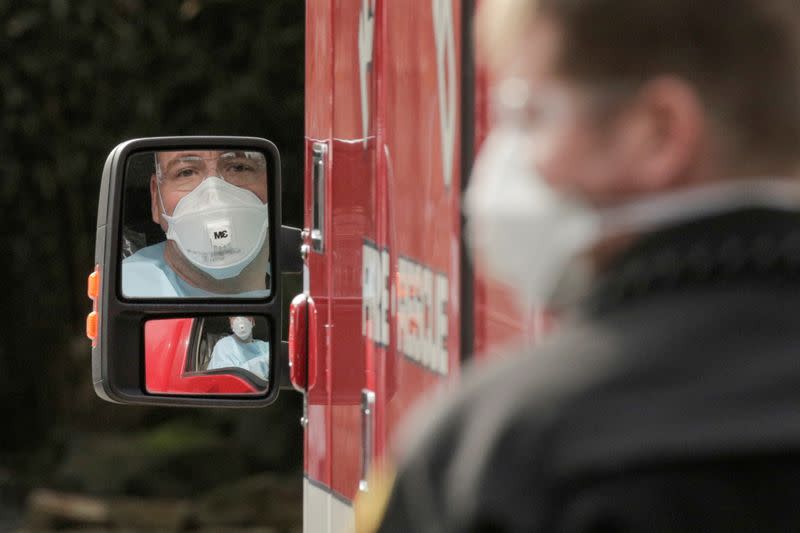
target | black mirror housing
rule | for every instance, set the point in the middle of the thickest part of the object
(118, 323)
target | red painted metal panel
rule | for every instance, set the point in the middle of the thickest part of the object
(383, 91)
(318, 126)
(352, 185)
(166, 344)
(419, 102)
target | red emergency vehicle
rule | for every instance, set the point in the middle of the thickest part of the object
(394, 112)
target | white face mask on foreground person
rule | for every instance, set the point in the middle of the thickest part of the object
(539, 241)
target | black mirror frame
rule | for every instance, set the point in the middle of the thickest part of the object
(118, 372)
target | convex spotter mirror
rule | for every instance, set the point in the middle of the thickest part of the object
(188, 236)
(208, 355)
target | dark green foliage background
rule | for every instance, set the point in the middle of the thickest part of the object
(76, 78)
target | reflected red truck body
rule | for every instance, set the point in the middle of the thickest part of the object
(167, 346)
(394, 113)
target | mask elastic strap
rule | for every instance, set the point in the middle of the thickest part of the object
(160, 200)
(158, 184)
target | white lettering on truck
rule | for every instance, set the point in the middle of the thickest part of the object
(422, 324)
(375, 294)
(419, 306)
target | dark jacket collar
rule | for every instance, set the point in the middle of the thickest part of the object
(743, 246)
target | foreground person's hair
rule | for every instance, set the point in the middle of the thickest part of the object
(741, 56)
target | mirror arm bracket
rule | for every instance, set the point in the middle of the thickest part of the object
(289, 248)
(283, 360)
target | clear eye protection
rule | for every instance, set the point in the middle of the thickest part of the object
(515, 104)
(186, 172)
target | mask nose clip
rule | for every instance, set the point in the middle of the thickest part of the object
(212, 192)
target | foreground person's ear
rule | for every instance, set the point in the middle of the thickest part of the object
(668, 132)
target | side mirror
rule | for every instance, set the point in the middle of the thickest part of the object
(187, 304)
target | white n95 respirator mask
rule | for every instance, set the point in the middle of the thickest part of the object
(242, 327)
(518, 227)
(220, 228)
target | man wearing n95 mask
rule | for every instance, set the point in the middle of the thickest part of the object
(212, 207)
(241, 350)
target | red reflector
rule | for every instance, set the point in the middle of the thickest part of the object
(298, 342)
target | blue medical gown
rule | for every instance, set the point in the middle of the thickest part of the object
(146, 274)
(232, 352)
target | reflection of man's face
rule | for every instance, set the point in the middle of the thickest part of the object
(231, 320)
(179, 173)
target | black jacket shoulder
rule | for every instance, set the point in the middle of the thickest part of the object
(685, 354)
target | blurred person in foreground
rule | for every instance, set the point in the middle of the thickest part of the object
(642, 180)
(212, 207)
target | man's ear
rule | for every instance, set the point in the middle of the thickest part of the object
(673, 127)
(155, 205)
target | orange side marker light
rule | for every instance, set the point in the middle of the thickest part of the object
(93, 291)
(91, 326)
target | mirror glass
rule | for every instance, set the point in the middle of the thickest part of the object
(208, 355)
(195, 224)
